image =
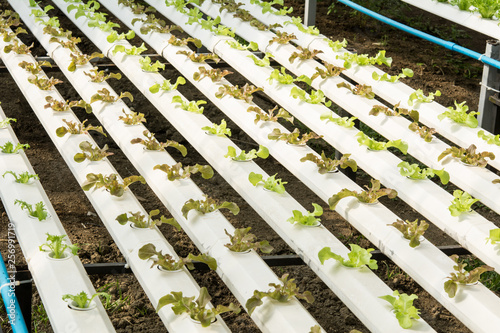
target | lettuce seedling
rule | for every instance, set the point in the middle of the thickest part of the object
(168, 263)
(462, 276)
(282, 293)
(166, 85)
(264, 62)
(110, 183)
(283, 78)
(191, 106)
(468, 156)
(316, 96)
(22, 178)
(460, 115)
(82, 300)
(309, 218)
(218, 130)
(38, 212)
(411, 230)
(70, 44)
(236, 45)
(184, 41)
(371, 196)
(371, 144)
(114, 36)
(147, 66)
(403, 308)
(263, 152)
(364, 59)
(61, 106)
(331, 71)
(304, 54)
(243, 241)
(17, 47)
(406, 72)
(9, 36)
(104, 95)
(282, 38)
(9, 148)
(425, 132)
(6, 122)
(98, 76)
(208, 205)
(413, 114)
(77, 128)
(43, 83)
(176, 171)
(271, 183)
(244, 93)
(134, 50)
(358, 257)
(196, 310)
(362, 90)
(91, 153)
(489, 138)
(297, 21)
(494, 236)
(200, 57)
(347, 122)
(326, 164)
(462, 203)
(34, 68)
(269, 115)
(293, 137)
(57, 247)
(215, 74)
(80, 59)
(140, 221)
(336, 45)
(413, 171)
(418, 97)
(152, 144)
(132, 118)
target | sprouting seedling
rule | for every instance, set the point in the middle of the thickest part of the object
(219, 130)
(110, 182)
(282, 38)
(9, 148)
(489, 138)
(304, 54)
(461, 115)
(176, 171)
(34, 68)
(196, 310)
(364, 59)
(134, 50)
(463, 277)
(362, 90)
(61, 106)
(372, 194)
(406, 72)
(148, 66)
(461, 203)
(331, 71)
(215, 74)
(270, 115)
(263, 152)
(236, 45)
(358, 257)
(132, 118)
(418, 97)
(184, 41)
(293, 137)
(91, 153)
(80, 59)
(242, 240)
(98, 76)
(43, 83)
(271, 183)
(17, 47)
(38, 211)
(140, 221)
(22, 178)
(468, 156)
(191, 106)
(365, 140)
(150, 143)
(6, 122)
(244, 93)
(264, 62)
(282, 293)
(77, 128)
(403, 308)
(56, 246)
(347, 122)
(82, 300)
(411, 230)
(309, 218)
(169, 263)
(104, 95)
(200, 57)
(114, 36)
(413, 171)
(326, 164)
(208, 205)
(315, 97)
(166, 85)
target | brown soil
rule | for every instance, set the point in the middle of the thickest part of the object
(456, 76)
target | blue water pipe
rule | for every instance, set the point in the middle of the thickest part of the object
(447, 44)
(12, 308)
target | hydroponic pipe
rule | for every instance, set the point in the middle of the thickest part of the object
(447, 44)
(12, 308)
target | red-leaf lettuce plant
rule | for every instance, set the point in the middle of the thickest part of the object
(150, 143)
(110, 182)
(468, 156)
(411, 231)
(243, 241)
(463, 277)
(208, 205)
(168, 263)
(91, 153)
(370, 196)
(176, 171)
(326, 164)
(140, 221)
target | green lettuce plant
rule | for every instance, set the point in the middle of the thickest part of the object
(82, 300)
(406, 72)
(9, 148)
(371, 144)
(166, 85)
(271, 183)
(140, 221)
(418, 97)
(316, 96)
(494, 236)
(38, 211)
(148, 66)
(264, 62)
(191, 106)
(460, 115)
(364, 59)
(347, 122)
(309, 218)
(22, 178)
(403, 308)
(461, 203)
(413, 171)
(219, 130)
(263, 152)
(56, 246)
(134, 50)
(358, 257)
(489, 138)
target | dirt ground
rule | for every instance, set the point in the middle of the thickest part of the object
(456, 76)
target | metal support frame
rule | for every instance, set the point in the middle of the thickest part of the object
(310, 13)
(490, 84)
